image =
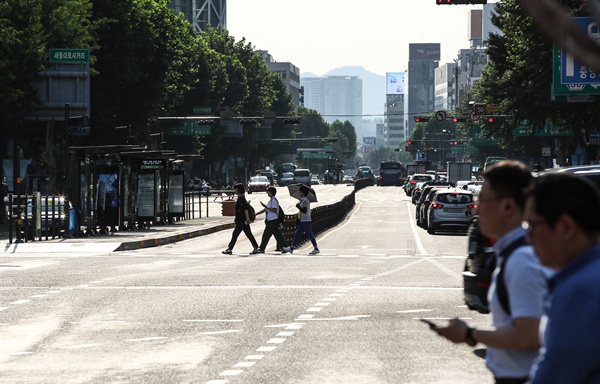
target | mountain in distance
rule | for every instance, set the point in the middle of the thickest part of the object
(373, 88)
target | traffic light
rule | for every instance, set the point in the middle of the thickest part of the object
(408, 146)
(459, 119)
(490, 119)
(456, 2)
(422, 119)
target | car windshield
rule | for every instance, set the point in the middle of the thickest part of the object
(259, 179)
(455, 198)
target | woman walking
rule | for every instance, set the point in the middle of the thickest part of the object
(271, 210)
(242, 221)
(304, 225)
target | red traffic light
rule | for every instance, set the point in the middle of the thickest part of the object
(490, 119)
(455, 119)
(417, 119)
(409, 142)
(455, 142)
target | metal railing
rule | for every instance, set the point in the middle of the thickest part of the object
(37, 217)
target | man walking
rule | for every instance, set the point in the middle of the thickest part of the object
(242, 221)
(563, 224)
(271, 210)
(518, 287)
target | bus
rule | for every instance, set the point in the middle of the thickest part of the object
(391, 173)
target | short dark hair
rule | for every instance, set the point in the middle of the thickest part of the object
(239, 187)
(509, 178)
(273, 190)
(304, 189)
(555, 194)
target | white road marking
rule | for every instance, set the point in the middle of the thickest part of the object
(217, 382)
(330, 299)
(53, 292)
(355, 317)
(254, 357)
(19, 302)
(231, 372)
(415, 311)
(244, 364)
(36, 296)
(220, 332)
(266, 349)
(276, 340)
(17, 353)
(3, 308)
(147, 339)
(314, 309)
(414, 230)
(305, 317)
(295, 326)
(79, 346)
(322, 304)
(213, 321)
(98, 322)
(284, 325)
(285, 334)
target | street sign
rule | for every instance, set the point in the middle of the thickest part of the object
(546, 151)
(191, 129)
(59, 55)
(314, 155)
(479, 109)
(440, 115)
(568, 89)
(474, 116)
(571, 70)
(595, 138)
(206, 111)
(524, 129)
(79, 131)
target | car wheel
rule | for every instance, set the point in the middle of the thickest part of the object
(431, 230)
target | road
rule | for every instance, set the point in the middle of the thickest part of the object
(185, 313)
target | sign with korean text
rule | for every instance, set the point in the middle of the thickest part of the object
(65, 55)
(571, 70)
(568, 89)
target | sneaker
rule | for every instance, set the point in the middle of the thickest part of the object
(314, 251)
(227, 252)
(288, 250)
(255, 251)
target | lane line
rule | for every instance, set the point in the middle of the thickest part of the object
(219, 332)
(413, 227)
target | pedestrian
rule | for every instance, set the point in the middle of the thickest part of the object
(518, 287)
(271, 210)
(242, 221)
(304, 224)
(562, 220)
(220, 188)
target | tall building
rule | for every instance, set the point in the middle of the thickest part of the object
(420, 82)
(394, 110)
(335, 98)
(444, 81)
(202, 13)
(288, 72)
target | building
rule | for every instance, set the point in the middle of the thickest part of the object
(335, 98)
(288, 72)
(444, 82)
(423, 59)
(394, 121)
(202, 13)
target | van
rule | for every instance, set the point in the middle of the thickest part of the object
(302, 176)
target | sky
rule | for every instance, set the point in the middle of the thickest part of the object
(320, 35)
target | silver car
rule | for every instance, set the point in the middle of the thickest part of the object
(450, 209)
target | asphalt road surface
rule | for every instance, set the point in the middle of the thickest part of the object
(185, 313)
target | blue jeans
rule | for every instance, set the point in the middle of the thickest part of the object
(304, 227)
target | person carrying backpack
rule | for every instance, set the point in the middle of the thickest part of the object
(242, 221)
(518, 288)
(272, 210)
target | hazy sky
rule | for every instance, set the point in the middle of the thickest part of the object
(320, 35)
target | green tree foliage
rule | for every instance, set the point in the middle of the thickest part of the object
(345, 145)
(519, 75)
(147, 61)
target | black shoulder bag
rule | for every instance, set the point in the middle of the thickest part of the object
(500, 286)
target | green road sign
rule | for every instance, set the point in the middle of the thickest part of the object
(191, 128)
(524, 129)
(60, 55)
(479, 139)
(206, 111)
(568, 89)
(315, 155)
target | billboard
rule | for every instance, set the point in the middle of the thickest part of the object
(425, 52)
(395, 83)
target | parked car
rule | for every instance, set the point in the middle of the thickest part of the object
(417, 177)
(479, 266)
(197, 184)
(286, 178)
(315, 181)
(424, 203)
(302, 176)
(269, 174)
(365, 172)
(450, 209)
(258, 184)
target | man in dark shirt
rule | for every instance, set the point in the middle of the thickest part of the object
(242, 221)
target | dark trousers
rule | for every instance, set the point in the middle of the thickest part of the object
(272, 228)
(522, 380)
(236, 233)
(304, 227)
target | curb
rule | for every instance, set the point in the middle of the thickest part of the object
(139, 244)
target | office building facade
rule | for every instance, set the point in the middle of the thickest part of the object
(288, 72)
(202, 13)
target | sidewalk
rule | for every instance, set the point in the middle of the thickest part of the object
(122, 240)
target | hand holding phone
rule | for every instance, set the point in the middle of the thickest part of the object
(431, 324)
(263, 204)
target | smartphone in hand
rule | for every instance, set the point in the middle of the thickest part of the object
(431, 324)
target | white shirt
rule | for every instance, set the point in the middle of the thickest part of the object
(273, 203)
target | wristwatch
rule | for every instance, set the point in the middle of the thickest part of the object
(469, 338)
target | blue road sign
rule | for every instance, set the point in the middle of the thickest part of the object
(572, 71)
